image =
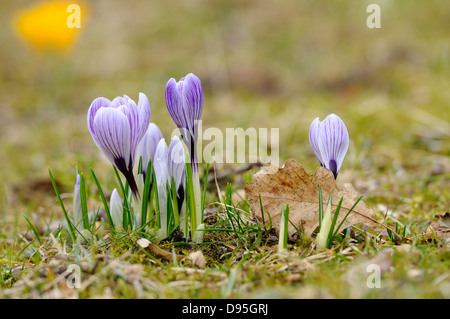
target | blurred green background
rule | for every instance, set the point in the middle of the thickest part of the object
(262, 64)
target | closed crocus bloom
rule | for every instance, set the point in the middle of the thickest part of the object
(176, 169)
(184, 100)
(162, 175)
(177, 162)
(116, 208)
(329, 141)
(161, 164)
(117, 127)
(147, 147)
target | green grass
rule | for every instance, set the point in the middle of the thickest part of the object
(262, 64)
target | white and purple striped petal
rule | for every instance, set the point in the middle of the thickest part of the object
(98, 103)
(112, 132)
(147, 147)
(329, 140)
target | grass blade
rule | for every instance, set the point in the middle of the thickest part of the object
(33, 229)
(105, 202)
(84, 208)
(66, 216)
(146, 193)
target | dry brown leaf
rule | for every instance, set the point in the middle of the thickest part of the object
(292, 185)
(441, 227)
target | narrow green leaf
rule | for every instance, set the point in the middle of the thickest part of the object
(33, 229)
(83, 199)
(320, 207)
(345, 217)
(103, 198)
(66, 216)
(176, 213)
(146, 193)
(333, 223)
(205, 186)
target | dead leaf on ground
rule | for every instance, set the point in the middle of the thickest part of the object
(441, 227)
(292, 185)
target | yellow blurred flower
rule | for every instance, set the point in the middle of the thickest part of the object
(51, 25)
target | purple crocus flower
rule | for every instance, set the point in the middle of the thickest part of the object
(184, 100)
(329, 141)
(117, 127)
(147, 147)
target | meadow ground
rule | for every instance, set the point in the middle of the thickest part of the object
(263, 64)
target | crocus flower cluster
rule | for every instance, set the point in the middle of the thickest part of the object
(329, 141)
(123, 132)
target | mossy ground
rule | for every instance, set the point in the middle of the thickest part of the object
(263, 64)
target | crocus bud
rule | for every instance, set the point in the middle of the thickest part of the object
(162, 175)
(116, 208)
(147, 147)
(184, 100)
(329, 141)
(322, 236)
(177, 166)
(117, 127)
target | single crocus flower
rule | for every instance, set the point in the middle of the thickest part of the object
(116, 209)
(147, 147)
(177, 174)
(329, 141)
(184, 100)
(176, 167)
(162, 175)
(117, 127)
